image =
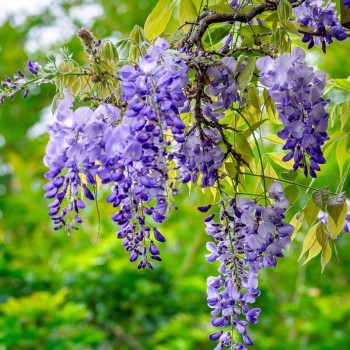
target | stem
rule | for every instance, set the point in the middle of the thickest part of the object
(257, 146)
(286, 181)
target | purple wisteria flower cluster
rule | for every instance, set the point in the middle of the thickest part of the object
(297, 91)
(9, 86)
(248, 237)
(77, 140)
(324, 21)
(199, 155)
(130, 152)
(223, 86)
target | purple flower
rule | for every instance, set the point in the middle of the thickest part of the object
(297, 91)
(247, 238)
(33, 67)
(324, 21)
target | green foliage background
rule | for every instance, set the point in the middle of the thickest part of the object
(81, 292)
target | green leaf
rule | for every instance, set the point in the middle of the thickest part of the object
(245, 76)
(138, 35)
(243, 146)
(320, 197)
(284, 10)
(217, 34)
(290, 27)
(187, 12)
(249, 41)
(314, 250)
(254, 98)
(291, 175)
(270, 107)
(342, 150)
(326, 256)
(253, 127)
(250, 30)
(158, 19)
(296, 222)
(310, 212)
(309, 240)
(337, 209)
(123, 46)
(230, 169)
(219, 6)
(269, 171)
(291, 192)
(280, 40)
(277, 158)
(343, 83)
(335, 206)
(274, 139)
(322, 234)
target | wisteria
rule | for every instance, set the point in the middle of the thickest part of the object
(297, 91)
(324, 21)
(248, 237)
(135, 128)
(223, 85)
(200, 155)
(129, 152)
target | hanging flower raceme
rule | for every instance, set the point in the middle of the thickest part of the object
(199, 155)
(154, 92)
(248, 237)
(323, 19)
(223, 86)
(130, 153)
(297, 91)
(72, 155)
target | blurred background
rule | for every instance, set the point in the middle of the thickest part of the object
(80, 291)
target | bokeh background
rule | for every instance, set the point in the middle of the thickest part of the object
(80, 291)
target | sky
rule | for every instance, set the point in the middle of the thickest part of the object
(58, 31)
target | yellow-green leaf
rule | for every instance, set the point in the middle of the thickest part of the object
(290, 27)
(254, 97)
(284, 10)
(277, 158)
(335, 226)
(158, 19)
(314, 250)
(269, 171)
(253, 127)
(309, 240)
(342, 150)
(243, 146)
(326, 256)
(247, 73)
(310, 212)
(230, 169)
(291, 192)
(296, 222)
(270, 107)
(274, 139)
(322, 234)
(335, 206)
(187, 12)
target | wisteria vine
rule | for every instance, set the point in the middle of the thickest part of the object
(173, 117)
